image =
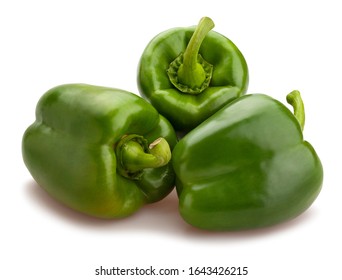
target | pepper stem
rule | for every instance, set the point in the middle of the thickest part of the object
(134, 155)
(296, 101)
(189, 72)
(191, 67)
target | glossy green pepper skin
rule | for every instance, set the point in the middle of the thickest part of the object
(190, 73)
(247, 166)
(93, 148)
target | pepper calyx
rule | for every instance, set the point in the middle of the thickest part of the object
(204, 71)
(134, 155)
(189, 72)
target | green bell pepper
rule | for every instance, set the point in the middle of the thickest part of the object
(247, 166)
(190, 73)
(104, 152)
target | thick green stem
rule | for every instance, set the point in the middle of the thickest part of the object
(134, 155)
(190, 64)
(296, 101)
(189, 72)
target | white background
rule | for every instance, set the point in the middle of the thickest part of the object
(287, 44)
